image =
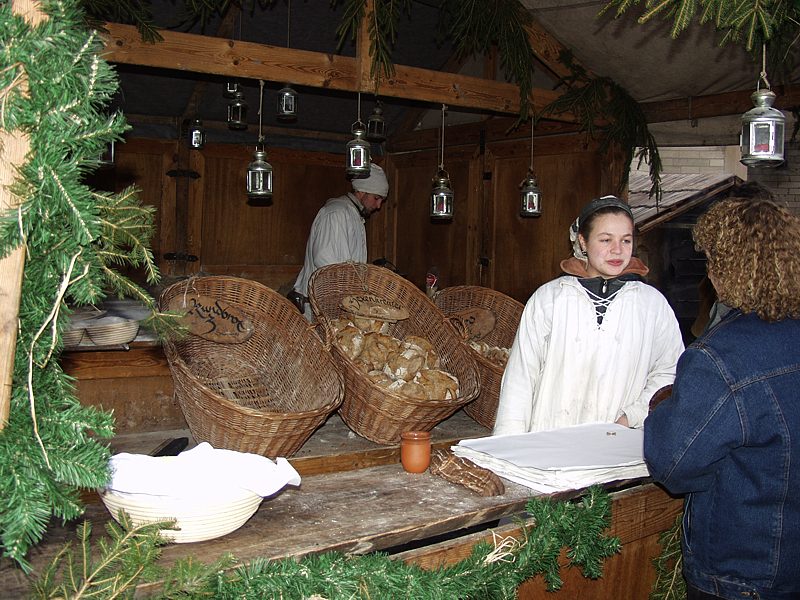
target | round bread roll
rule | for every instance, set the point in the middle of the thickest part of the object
(371, 325)
(405, 364)
(377, 349)
(440, 385)
(351, 341)
(380, 378)
(425, 348)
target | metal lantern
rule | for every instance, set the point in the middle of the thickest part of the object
(231, 87)
(376, 125)
(442, 193)
(196, 134)
(530, 197)
(442, 196)
(259, 176)
(287, 104)
(237, 112)
(762, 132)
(358, 153)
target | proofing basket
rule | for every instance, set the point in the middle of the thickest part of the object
(508, 313)
(196, 519)
(265, 395)
(368, 409)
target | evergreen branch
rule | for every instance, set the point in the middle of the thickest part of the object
(669, 583)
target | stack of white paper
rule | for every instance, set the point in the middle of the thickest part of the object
(561, 459)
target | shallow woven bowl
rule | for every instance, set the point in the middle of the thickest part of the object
(197, 519)
(112, 330)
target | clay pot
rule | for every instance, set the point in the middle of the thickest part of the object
(415, 451)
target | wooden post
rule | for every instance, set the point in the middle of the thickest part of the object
(14, 146)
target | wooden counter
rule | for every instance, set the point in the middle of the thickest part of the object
(355, 498)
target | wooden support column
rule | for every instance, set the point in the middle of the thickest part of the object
(14, 146)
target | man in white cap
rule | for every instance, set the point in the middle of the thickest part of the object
(338, 234)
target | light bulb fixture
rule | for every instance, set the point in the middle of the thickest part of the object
(442, 192)
(763, 126)
(358, 149)
(530, 195)
(196, 134)
(259, 171)
(237, 112)
(376, 125)
(231, 87)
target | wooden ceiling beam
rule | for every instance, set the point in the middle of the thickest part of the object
(548, 50)
(714, 105)
(247, 60)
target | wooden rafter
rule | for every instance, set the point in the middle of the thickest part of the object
(247, 60)
(548, 50)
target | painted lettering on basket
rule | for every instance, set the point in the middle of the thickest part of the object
(210, 313)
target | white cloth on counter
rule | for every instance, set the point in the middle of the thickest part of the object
(203, 470)
(561, 459)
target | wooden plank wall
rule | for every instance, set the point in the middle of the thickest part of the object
(487, 242)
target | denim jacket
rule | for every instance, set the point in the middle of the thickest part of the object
(729, 438)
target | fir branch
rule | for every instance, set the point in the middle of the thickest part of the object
(669, 583)
(605, 110)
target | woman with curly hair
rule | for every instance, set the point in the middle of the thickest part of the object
(729, 436)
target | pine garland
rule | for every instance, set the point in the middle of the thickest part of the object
(75, 238)
(670, 584)
(491, 571)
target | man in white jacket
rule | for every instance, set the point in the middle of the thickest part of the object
(595, 344)
(338, 234)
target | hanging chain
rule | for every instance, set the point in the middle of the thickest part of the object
(441, 163)
(531, 145)
(260, 106)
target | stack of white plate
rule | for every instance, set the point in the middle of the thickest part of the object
(111, 330)
(197, 519)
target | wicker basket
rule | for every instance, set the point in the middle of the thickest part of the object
(368, 409)
(507, 313)
(266, 395)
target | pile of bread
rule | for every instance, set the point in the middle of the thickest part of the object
(410, 367)
(495, 354)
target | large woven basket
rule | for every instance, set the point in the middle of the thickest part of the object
(507, 313)
(266, 395)
(368, 409)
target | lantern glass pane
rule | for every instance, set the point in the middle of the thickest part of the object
(287, 103)
(237, 115)
(197, 138)
(762, 139)
(530, 204)
(442, 203)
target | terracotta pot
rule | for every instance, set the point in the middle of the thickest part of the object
(415, 450)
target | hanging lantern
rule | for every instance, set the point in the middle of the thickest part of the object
(442, 196)
(358, 153)
(287, 104)
(196, 134)
(530, 195)
(762, 126)
(762, 132)
(376, 125)
(231, 88)
(259, 171)
(442, 193)
(358, 150)
(259, 176)
(237, 112)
